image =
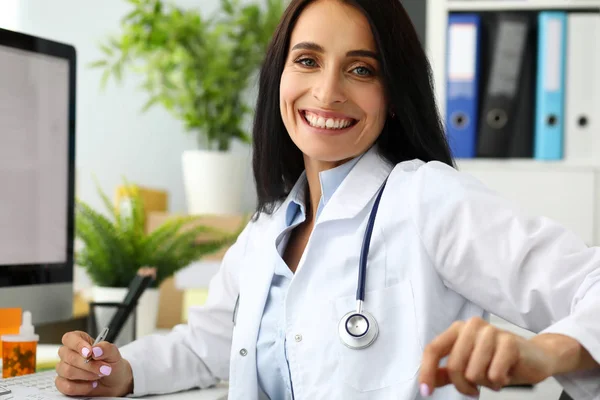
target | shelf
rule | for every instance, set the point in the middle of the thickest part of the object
(524, 164)
(498, 5)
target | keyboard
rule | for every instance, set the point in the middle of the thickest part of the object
(41, 383)
(40, 386)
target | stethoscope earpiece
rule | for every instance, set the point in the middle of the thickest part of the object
(358, 329)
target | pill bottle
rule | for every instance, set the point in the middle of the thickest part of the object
(19, 352)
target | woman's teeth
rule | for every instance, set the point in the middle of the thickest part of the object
(327, 123)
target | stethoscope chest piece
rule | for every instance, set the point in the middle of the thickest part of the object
(358, 330)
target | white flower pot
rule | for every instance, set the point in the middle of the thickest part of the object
(146, 314)
(214, 181)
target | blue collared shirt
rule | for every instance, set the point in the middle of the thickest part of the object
(271, 361)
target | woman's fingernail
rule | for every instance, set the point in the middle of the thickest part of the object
(105, 370)
(425, 390)
(85, 351)
(97, 351)
(94, 384)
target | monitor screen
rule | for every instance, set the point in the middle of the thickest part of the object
(34, 154)
(37, 174)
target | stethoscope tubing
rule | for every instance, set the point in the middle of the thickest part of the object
(364, 252)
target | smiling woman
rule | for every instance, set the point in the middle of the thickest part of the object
(339, 77)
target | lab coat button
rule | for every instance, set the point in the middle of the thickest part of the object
(243, 352)
(298, 338)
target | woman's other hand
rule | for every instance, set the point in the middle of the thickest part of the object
(106, 374)
(480, 354)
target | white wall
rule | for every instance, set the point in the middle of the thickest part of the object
(114, 139)
(9, 14)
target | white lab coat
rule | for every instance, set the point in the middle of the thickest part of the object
(444, 247)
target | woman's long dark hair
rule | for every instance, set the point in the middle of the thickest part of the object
(416, 131)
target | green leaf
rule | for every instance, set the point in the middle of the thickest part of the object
(106, 201)
(131, 15)
(106, 50)
(118, 71)
(105, 77)
(151, 102)
(98, 64)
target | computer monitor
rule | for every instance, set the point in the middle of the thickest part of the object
(37, 175)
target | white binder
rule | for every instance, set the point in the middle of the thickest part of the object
(582, 102)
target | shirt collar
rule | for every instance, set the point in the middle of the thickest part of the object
(297, 198)
(330, 180)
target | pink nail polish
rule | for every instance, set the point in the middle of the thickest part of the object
(94, 384)
(425, 390)
(105, 370)
(97, 351)
(85, 351)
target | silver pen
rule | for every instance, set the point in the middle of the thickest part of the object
(100, 338)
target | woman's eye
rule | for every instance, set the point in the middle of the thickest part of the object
(307, 62)
(363, 71)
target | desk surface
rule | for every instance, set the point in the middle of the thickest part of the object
(49, 353)
(219, 393)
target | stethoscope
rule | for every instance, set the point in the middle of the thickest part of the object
(358, 329)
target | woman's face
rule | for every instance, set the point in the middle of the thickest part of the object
(332, 98)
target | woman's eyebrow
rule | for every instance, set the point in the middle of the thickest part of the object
(318, 48)
(363, 53)
(309, 46)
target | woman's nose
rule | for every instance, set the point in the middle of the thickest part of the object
(328, 89)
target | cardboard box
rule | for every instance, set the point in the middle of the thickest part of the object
(171, 300)
(154, 200)
(170, 305)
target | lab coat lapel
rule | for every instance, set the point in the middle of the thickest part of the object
(255, 281)
(359, 187)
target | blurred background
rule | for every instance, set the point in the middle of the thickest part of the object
(114, 138)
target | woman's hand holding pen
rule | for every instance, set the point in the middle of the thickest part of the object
(106, 374)
(480, 354)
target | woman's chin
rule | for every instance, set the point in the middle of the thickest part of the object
(327, 154)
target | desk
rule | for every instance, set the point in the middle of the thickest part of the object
(49, 353)
(218, 393)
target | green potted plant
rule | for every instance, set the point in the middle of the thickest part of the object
(113, 248)
(199, 69)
